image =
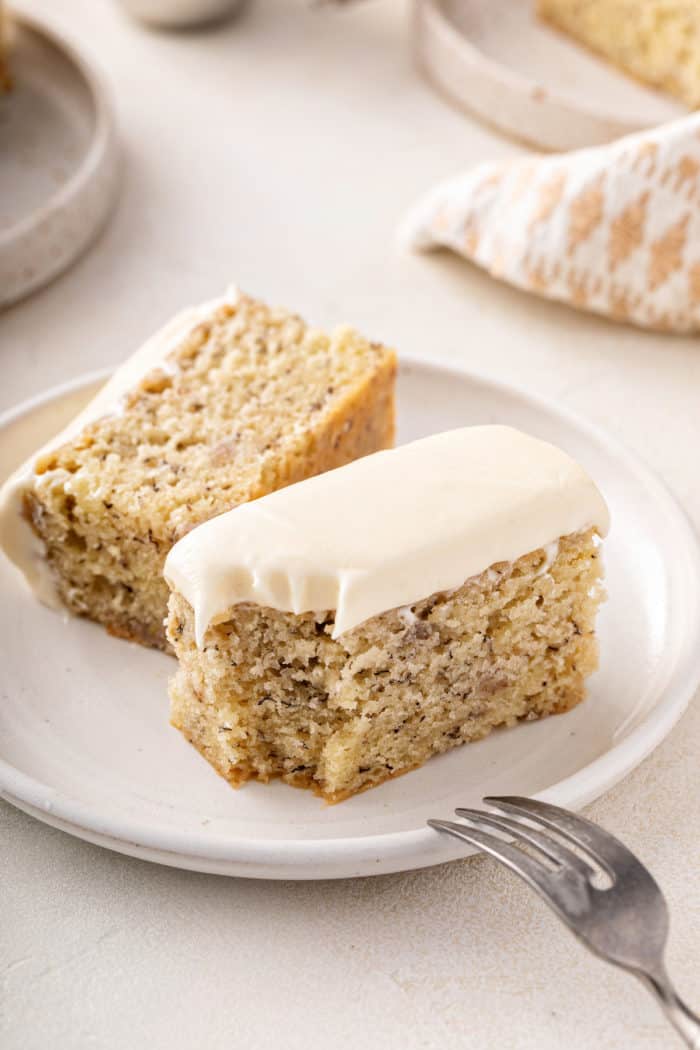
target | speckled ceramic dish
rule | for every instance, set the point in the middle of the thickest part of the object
(85, 743)
(497, 60)
(59, 170)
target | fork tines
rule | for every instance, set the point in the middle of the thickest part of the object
(514, 817)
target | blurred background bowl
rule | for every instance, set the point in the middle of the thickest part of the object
(60, 160)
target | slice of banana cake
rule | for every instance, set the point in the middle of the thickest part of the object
(227, 403)
(345, 629)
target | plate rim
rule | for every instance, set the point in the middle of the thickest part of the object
(311, 858)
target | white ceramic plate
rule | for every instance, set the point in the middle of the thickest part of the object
(60, 170)
(85, 743)
(496, 59)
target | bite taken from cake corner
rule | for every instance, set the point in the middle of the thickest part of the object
(342, 631)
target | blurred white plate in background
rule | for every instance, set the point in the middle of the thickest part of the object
(85, 743)
(496, 59)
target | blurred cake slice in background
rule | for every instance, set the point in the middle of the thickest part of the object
(656, 41)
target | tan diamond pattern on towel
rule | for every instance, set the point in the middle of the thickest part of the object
(694, 284)
(614, 229)
(627, 231)
(643, 157)
(549, 195)
(666, 254)
(578, 288)
(537, 278)
(684, 171)
(621, 304)
(585, 214)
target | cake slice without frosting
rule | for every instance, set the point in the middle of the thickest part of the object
(342, 631)
(228, 402)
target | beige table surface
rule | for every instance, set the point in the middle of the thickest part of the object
(280, 151)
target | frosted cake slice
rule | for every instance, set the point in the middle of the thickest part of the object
(345, 629)
(228, 402)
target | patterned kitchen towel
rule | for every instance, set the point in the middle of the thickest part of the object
(614, 229)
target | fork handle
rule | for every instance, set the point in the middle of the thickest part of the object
(686, 1023)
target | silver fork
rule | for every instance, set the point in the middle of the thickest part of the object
(599, 890)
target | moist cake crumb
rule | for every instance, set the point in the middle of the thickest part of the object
(272, 694)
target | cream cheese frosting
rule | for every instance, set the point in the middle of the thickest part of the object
(388, 530)
(17, 538)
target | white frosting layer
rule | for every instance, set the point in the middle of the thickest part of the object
(387, 530)
(17, 539)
